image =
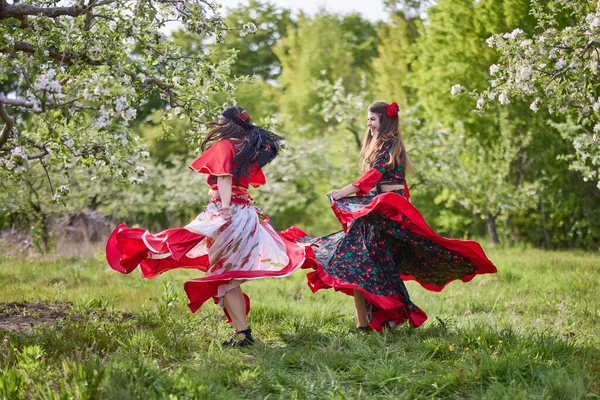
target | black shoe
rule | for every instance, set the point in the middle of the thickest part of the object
(363, 329)
(235, 341)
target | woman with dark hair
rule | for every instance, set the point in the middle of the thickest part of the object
(231, 241)
(385, 240)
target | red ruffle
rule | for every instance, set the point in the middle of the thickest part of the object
(126, 249)
(396, 207)
(201, 289)
(391, 309)
(366, 182)
(216, 160)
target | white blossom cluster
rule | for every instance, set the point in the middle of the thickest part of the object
(248, 29)
(555, 68)
(80, 103)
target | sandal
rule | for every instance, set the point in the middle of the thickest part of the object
(235, 341)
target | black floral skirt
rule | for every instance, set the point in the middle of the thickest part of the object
(385, 242)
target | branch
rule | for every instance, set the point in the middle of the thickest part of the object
(9, 122)
(20, 11)
(557, 74)
(38, 156)
(588, 46)
(55, 54)
(29, 104)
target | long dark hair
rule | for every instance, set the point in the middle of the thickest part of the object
(388, 129)
(255, 143)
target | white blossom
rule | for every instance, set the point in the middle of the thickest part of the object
(248, 28)
(593, 21)
(534, 106)
(480, 103)
(456, 89)
(129, 114)
(513, 34)
(526, 43)
(120, 104)
(503, 98)
(561, 63)
(494, 69)
(491, 41)
(103, 119)
(525, 72)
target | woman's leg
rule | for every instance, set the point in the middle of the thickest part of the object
(361, 309)
(236, 308)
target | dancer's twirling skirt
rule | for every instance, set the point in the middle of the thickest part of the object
(385, 242)
(229, 252)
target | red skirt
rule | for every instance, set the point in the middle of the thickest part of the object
(229, 252)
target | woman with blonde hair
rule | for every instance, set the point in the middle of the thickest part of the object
(385, 240)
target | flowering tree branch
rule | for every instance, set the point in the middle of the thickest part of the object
(557, 67)
(76, 76)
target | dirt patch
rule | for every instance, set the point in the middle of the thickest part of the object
(24, 317)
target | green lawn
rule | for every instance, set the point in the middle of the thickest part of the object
(530, 331)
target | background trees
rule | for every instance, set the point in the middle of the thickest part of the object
(95, 94)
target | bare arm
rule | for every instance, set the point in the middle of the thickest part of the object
(224, 186)
(344, 192)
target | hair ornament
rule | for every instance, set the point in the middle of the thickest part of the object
(392, 110)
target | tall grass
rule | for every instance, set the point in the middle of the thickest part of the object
(528, 332)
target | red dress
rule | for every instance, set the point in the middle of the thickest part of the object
(229, 252)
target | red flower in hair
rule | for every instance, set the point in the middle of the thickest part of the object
(392, 110)
(242, 114)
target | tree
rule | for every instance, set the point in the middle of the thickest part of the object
(322, 47)
(255, 54)
(391, 67)
(556, 67)
(72, 75)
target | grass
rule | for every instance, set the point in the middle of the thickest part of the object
(528, 332)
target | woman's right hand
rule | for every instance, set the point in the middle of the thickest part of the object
(337, 194)
(225, 213)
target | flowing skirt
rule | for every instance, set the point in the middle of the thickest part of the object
(385, 242)
(229, 252)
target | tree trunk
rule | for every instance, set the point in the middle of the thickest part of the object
(544, 226)
(491, 225)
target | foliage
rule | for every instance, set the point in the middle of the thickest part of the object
(557, 68)
(255, 55)
(325, 47)
(74, 74)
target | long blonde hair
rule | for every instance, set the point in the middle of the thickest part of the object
(388, 129)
